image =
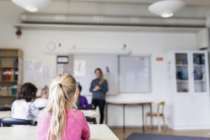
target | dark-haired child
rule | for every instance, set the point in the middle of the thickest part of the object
(82, 101)
(23, 107)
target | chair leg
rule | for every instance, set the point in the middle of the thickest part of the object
(159, 128)
(145, 126)
(164, 122)
(151, 122)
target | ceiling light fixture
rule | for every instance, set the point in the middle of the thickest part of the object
(32, 5)
(31, 8)
(166, 8)
(166, 14)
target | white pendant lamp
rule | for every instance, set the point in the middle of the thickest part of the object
(166, 8)
(32, 5)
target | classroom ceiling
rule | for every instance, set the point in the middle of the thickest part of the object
(132, 8)
(188, 2)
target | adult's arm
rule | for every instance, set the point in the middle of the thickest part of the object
(104, 87)
(91, 87)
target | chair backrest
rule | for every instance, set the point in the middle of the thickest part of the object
(5, 108)
(13, 121)
(82, 108)
(159, 106)
(91, 120)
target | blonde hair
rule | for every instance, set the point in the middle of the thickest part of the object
(101, 75)
(45, 92)
(63, 89)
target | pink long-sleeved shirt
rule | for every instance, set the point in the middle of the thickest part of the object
(76, 126)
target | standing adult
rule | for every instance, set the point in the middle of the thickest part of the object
(99, 87)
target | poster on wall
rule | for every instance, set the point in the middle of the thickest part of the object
(48, 72)
(79, 68)
(38, 66)
(30, 77)
(29, 65)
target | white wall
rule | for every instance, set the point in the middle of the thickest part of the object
(33, 43)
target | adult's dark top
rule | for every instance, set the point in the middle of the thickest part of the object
(99, 94)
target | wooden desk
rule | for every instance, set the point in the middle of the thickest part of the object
(98, 132)
(129, 103)
(5, 114)
(7, 106)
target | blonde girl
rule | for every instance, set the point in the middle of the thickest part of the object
(58, 121)
(43, 101)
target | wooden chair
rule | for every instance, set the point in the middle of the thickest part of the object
(158, 115)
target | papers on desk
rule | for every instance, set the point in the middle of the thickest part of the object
(88, 112)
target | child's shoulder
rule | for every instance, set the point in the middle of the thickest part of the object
(75, 112)
(43, 113)
(19, 102)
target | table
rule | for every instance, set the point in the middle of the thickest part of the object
(98, 132)
(87, 113)
(129, 103)
(90, 115)
(8, 106)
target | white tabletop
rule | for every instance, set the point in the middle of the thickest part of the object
(87, 113)
(98, 132)
(129, 103)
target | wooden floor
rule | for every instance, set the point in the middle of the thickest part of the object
(194, 133)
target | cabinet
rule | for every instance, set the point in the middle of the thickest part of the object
(11, 73)
(188, 90)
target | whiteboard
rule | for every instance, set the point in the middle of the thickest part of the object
(134, 74)
(92, 62)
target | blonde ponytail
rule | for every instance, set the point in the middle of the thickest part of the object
(101, 79)
(61, 97)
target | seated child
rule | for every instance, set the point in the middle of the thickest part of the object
(43, 101)
(82, 101)
(23, 108)
(58, 121)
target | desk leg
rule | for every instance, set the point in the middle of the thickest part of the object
(150, 105)
(123, 118)
(106, 114)
(94, 121)
(143, 117)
